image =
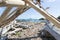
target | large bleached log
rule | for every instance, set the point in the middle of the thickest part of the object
(12, 3)
(17, 2)
(44, 13)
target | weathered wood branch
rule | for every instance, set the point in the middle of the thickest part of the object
(5, 13)
(17, 29)
(44, 13)
(20, 11)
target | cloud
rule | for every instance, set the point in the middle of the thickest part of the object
(50, 0)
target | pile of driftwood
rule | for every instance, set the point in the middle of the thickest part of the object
(12, 28)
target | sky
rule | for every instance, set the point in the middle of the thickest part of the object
(33, 14)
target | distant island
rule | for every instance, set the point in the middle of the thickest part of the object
(30, 20)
